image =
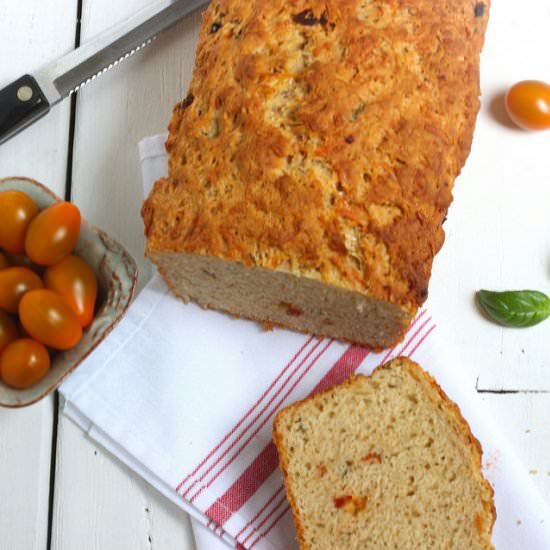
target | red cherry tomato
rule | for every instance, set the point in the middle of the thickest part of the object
(8, 330)
(528, 104)
(75, 281)
(17, 210)
(46, 316)
(53, 234)
(24, 363)
(14, 283)
(3, 261)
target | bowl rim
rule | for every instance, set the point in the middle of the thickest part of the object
(128, 259)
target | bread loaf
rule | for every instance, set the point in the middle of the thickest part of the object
(312, 161)
(385, 461)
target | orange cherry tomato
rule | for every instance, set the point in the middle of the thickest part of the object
(46, 316)
(528, 104)
(14, 283)
(3, 261)
(53, 234)
(75, 281)
(8, 330)
(17, 210)
(24, 363)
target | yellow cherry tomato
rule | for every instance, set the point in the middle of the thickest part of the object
(17, 210)
(46, 316)
(76, 282)
(53, 234)
(528, 104)
(23, 363)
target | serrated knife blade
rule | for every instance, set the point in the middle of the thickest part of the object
(30, 97)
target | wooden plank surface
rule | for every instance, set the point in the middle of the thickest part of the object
(100, 503)
(497, 237)
(38, 33)
(523, 417)
(25, 447)
(33, 33)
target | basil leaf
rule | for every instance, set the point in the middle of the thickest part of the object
(515, 308)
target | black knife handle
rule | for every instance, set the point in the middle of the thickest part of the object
(21, 103)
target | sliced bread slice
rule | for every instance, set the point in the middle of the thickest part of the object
(385, 461)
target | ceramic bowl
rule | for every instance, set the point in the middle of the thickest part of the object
(116, 273)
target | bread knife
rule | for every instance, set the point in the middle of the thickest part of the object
(30, 97)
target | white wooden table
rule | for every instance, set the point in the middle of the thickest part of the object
(60, 491)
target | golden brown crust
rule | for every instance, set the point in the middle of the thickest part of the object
(323, 139)
(283, 464)
(419, 374)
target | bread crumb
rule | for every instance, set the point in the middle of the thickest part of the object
(491, 463)
(267, 326)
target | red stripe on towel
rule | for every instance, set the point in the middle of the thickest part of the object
(260, 512)
(266, 462)
(266, 532)
(245, 486)
(249, 412)
(414, 336)
(262, 424)
(255, 532)
(413, 324)
(421, 341)
(342, 369)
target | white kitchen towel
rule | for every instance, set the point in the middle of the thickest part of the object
(186, 398)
